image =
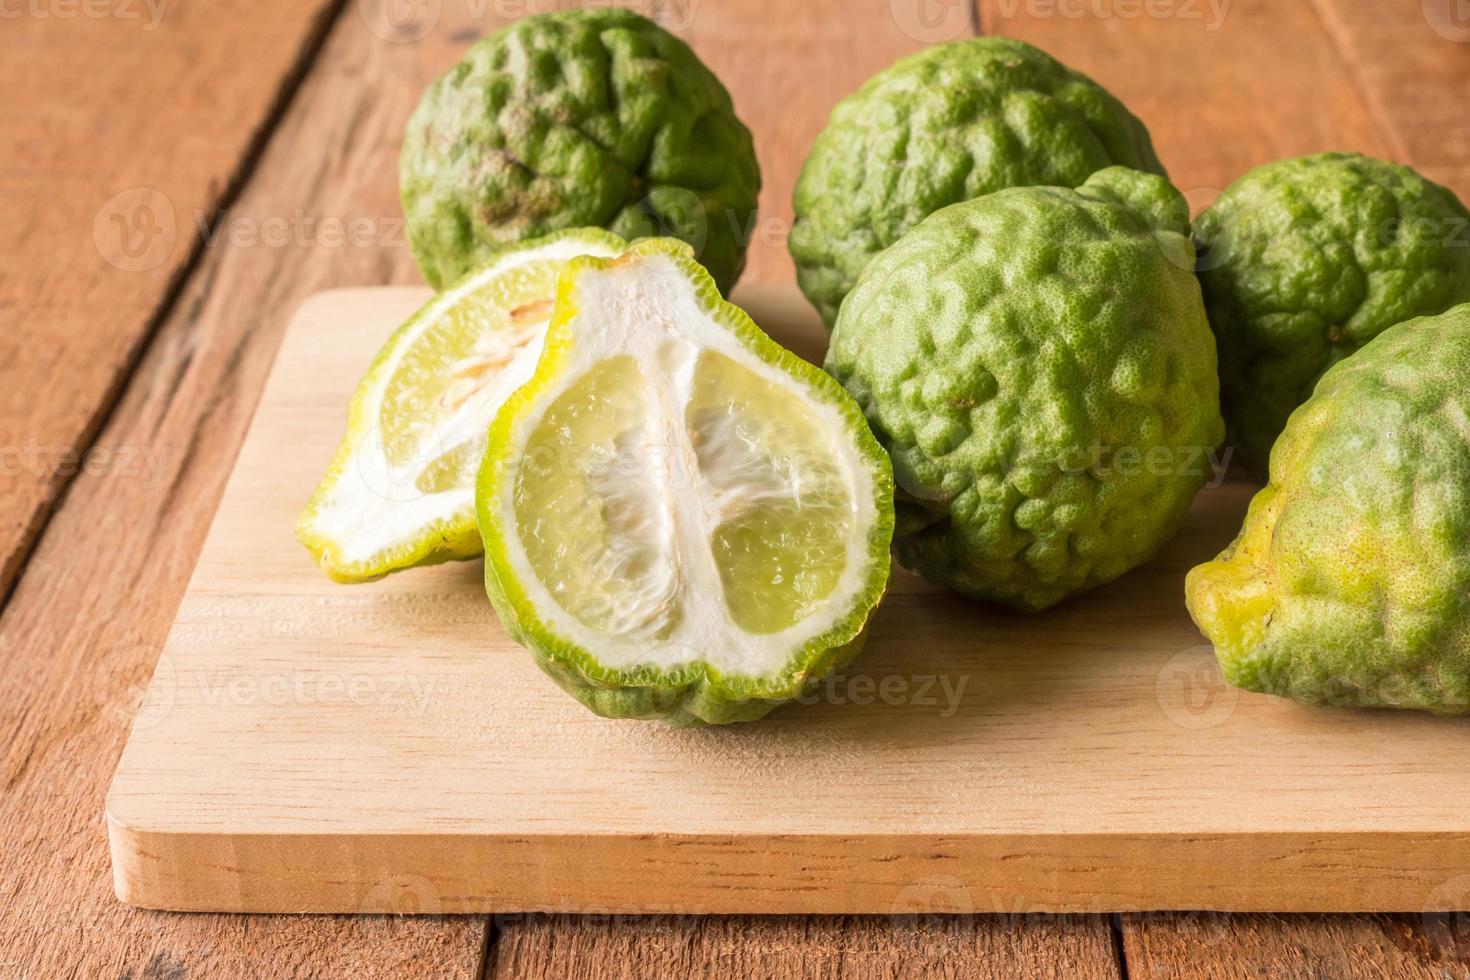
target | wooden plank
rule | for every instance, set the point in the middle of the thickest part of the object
(1407, 56)
(84, 626)
(126, 124)
(393, 728)
(786, 66)
(1223, 85)
(853, 948)
(1296, 947)
(1222, 90)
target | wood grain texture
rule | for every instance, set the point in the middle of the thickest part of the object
(786, 65)
(1223, 85)
(303, 742)
(1273, 80)
(85, 675)
(1296, 947)
(86, 621)
(809, 948)
(1408, 57)
(125, 126)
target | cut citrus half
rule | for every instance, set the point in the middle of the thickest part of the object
(400, 491)
(682, 519)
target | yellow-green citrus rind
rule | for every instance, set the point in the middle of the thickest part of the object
(1304, 261)
(452, 536)
(694, 692)
(1349, 583)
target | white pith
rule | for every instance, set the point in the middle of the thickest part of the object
(648, 309)
(375, 505)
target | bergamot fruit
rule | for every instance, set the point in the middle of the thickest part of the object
(1350, 581)
(1038, 365)
(682, 520)
(1306, 260)
(581, 118)
(947, 124)
(400, 490)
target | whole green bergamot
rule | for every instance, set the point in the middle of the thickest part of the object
(577, 119)
(947, 124)
(1306, 260)
(1038, 366)
(1350, 581)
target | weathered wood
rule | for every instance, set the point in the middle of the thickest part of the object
(125, 125)
(809, 948)
(87, 618)
(1273, 80)
(1223, 85)
(1410, 58)
(65, 726)
(787, 64)
(1296, 947)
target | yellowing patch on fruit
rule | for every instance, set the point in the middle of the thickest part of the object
(400, 491)
(681, 518)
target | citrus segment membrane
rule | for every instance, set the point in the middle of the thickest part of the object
(781, 495)
(400, 491)
(596, 522)
(675, 502)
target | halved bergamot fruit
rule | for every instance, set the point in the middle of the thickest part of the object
(400, 491)
(682, 520)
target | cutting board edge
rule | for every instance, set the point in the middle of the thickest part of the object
(897, 875)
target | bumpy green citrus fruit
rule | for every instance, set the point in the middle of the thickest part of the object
(1350, 580)
(1306, 260)
(682, 520)
(581, 118)
(400, 490)
(947, 124)
(1038, 365)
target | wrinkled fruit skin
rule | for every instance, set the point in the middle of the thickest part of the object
(1038, 366)
(1306, 260)
(582, 118)
(1350, 581)
(947, 124)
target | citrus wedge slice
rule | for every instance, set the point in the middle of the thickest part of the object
(682, 520)
(400, 491)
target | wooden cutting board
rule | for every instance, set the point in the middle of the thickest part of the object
(306, 746)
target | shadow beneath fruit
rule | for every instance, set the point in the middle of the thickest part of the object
(940, 668)
(785, 315)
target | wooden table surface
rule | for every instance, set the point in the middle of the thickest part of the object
(177, 177)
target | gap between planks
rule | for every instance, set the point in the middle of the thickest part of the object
(53, 494)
